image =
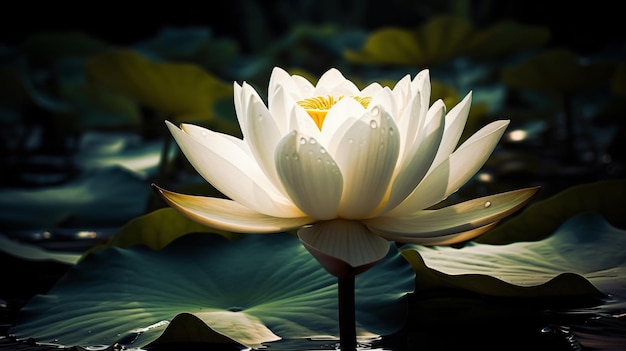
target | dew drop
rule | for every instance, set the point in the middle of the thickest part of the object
(296, 157)
(487, 204)
(260, 117)
(322, 150)
(302, 141)
(310, 152)
(319, 160)
(375, 111)
(373, 124)
(390, 131)
(312, 141)
(350, 141)
(204, 134)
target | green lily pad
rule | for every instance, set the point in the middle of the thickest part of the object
(171, 89)
(582, 257)
(557, 71)
(436, 41)
(205, 288)
(99, 198)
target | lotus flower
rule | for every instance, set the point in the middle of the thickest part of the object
(351, 169)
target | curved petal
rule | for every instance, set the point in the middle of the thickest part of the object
(441, 240)
(419, 159)
(461, 217)
(304, 87)
(329, 81)
(367, 155)
(281, 79)
(452, 173)
(338, 119)
(262, 134)
(455, 123)
(226, 163)
(238, 102)
(309, 175)
(343, 247)
(227, 214)
(280, 105)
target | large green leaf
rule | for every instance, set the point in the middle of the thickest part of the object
(205, 288)
(172, 89)
(159, 228)
(97, 198)
(585, 250)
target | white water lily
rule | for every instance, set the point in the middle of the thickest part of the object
(352, 169)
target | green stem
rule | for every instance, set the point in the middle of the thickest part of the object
(347, 319)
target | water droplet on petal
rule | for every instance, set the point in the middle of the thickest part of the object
(322, 150)
(319, 160)
(296, 157)
(312, 141)
(204, 134)
(375, 111)
(302, 141)
(350, 141)
(487, 204)
(373, 124)
(390, 131)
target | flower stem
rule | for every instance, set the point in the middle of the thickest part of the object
(347, 320)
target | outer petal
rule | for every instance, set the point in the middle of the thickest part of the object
(227, 214)
(444, 239)
(456, 170)
(458, 218)
(455, 123)
(309, 175)
(226, 163)
(418, 159)
(281, 79)
(367, 154)
(262, 133)
(343, 246)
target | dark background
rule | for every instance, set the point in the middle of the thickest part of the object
(585, 27)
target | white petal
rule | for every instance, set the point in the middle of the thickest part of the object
(340, 116)
(309, 175)
(371, 89)
(281, 79)
(305, 88)
(238, 102)
(329, 81)
(455, 123)
(418, 160)
(367, 154)
(452, 173)
(343, 247)
(279, 106)
(226, 163)
(262, 134)
(227, 214)
(441, 240)
(461, 217)
(384, 98)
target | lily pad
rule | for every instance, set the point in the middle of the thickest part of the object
(99, 198)
(584, 256)
(171, 89)
(205, 288)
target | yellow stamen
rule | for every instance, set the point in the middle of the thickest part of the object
(317, 107)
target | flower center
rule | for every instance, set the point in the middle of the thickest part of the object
(317, 107)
